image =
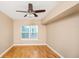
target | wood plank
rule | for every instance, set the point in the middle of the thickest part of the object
(31, 52)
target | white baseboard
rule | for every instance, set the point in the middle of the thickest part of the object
(55, 51)
(6, 51)
(28, 44)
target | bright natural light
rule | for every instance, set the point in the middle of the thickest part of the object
(29, 32)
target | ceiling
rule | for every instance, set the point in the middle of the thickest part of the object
(10, 7)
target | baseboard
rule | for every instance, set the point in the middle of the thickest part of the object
(6, 51)
(55, 51)
(28, 44)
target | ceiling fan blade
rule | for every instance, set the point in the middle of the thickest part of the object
(25, 15)
(38, 11)
(21, 11)
(35, 15)
(30, 7)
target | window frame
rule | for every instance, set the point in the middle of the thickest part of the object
(29, 33)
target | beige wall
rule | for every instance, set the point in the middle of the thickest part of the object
(63, 36)
(17, 35)
(6, 32)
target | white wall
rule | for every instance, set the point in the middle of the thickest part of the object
(17, 32)
(63, 36)
(6, 32)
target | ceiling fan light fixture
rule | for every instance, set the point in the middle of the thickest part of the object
(31, 11)
(30, 15)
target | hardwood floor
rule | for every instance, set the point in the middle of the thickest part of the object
(30, 52)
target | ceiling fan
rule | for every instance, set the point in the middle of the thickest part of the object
(31, 11)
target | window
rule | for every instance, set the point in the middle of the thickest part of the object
(29, 32)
